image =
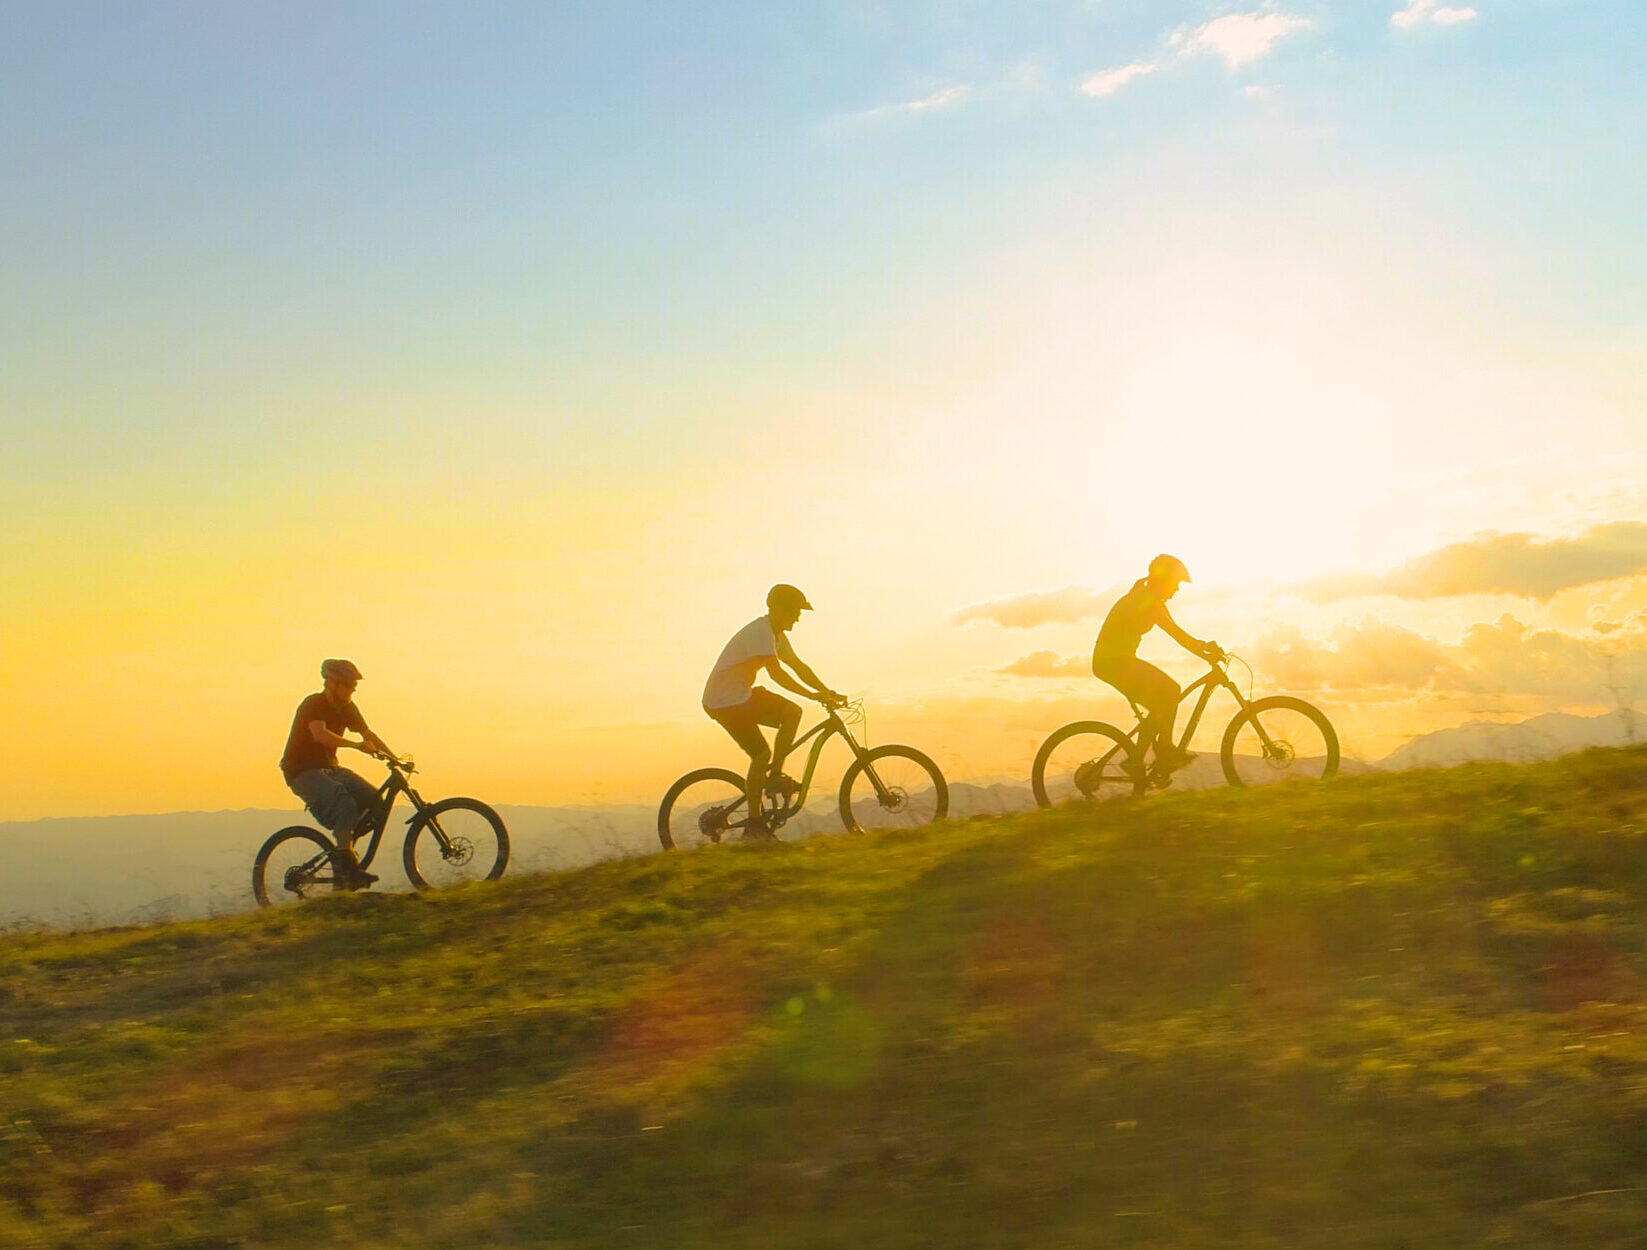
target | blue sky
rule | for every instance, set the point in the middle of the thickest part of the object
(624, 311)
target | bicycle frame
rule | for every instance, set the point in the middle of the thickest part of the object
(828, 727)
(375, 821)
(1215, 678)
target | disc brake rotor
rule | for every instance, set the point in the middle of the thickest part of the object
(895, 799)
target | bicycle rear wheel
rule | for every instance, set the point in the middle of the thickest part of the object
(1082, 762)
(476, 846)
(703, 808)
(293, 865)
(911, 795)
(1279, 739)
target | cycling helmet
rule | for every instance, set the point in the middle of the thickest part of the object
(784, 595)
(341, 670)
(1165, 566)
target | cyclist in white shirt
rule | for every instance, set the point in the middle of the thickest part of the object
(740, 707)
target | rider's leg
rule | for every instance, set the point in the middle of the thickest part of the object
(741, 724)
(327, 795)
(362, 798)
(1158, 694)
(338, 798)
(1149, 688)
(784, 716)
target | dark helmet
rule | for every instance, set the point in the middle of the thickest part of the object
(340, 670)
(1168, 567)
(784, 595)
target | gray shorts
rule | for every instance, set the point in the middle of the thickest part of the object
(337, 797)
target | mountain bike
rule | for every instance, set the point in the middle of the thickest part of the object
(447, 843)
(1278, 738)
(885, 787)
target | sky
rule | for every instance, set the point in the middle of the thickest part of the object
(514, 350)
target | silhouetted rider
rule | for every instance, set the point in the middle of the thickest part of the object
(740, 707)
(1115, 659)
(337, 796)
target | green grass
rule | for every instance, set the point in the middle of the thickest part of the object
(1389, 1011)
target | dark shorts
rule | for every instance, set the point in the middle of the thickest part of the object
(743, 721)
(337, 797)
(1139, 680)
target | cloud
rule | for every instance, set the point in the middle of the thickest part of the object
(1240, 38)
(1048, 664)
(1502, 564)
(1372, 655)
(1504, 657)
(935, 102)
(1107, 82)
(1042, 607)
(1430, 12)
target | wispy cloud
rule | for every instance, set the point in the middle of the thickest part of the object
(1502, 564)
(1430, 13)
(934, 102)
(1041, 607)
(1239, 38)
(1108, 81)
(1506, 657)
(1048, 664)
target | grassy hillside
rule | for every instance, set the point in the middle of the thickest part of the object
(1402, 1010)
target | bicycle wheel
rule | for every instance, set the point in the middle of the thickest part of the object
(293, 865)
(912, 792)
(1279, 739)
(1082, 762)
(702, 808)
(476, 848)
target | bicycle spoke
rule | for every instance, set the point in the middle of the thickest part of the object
(1273, 744)
(1085, 767)
(454, 842)
(294, 865)
(893, 788)
(709, 808)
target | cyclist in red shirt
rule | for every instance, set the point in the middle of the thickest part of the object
(337, 796)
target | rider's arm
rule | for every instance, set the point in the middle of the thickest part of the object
(370, 742)
(787, 682)
(1170, 628)
(786, 653)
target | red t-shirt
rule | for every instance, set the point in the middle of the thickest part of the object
(302, 751)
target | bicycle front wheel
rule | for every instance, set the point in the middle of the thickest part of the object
(293, 865)
(1082, 762)
(1279, 739)
(893, 787)
(702, 809)
(453, 842)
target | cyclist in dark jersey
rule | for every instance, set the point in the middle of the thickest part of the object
(337, 796)
(1115, 660)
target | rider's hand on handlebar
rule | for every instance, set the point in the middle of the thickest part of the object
(830, 698)
(1212, 652)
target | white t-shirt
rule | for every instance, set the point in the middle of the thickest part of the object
(732, 680)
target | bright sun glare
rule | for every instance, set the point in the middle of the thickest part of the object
(1265, 467)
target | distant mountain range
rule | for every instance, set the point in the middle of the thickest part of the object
(80, 872)
(1521, 742)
